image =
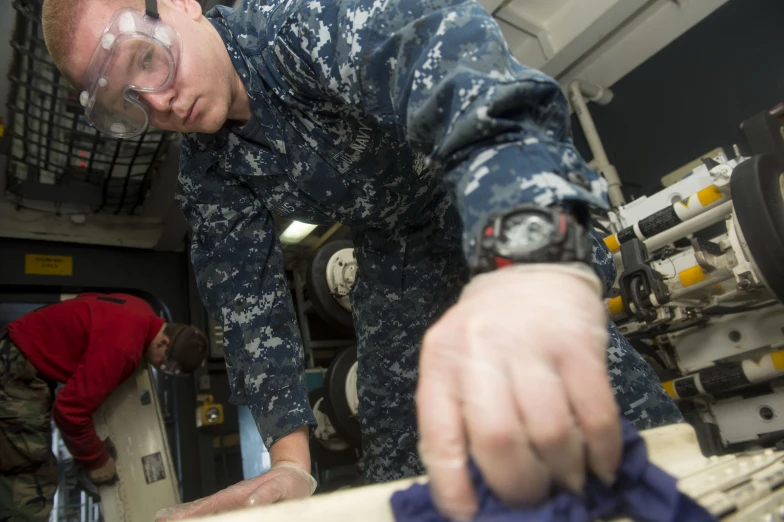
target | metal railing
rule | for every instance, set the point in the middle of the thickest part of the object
(55, 157)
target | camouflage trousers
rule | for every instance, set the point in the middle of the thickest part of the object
(407, 279)
(28, 469)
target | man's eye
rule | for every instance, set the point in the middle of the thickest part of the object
(147, 60)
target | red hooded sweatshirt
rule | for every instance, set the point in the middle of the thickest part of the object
(92, 343)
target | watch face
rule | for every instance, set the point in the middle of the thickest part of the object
(525, 233)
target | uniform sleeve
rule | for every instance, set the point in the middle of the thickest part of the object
(238, 264)
(441, 74)
(102, 371)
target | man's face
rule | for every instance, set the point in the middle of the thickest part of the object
(156, 351)
(199, 97)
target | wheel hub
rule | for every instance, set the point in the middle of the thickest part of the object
(341, 275)
(325, 432)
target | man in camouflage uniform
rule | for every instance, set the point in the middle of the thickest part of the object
(407, 120)
(28, 466)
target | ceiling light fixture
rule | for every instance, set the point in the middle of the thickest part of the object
(296, 232)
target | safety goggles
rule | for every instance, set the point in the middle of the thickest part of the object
(170, 367)
(137, 54)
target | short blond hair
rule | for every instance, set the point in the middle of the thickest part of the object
(60, 19)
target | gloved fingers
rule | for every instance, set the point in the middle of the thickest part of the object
(200, 507)
(308, 482)
(285, 481)
(180, 511)
(596, 411)
(500, 444)
(442, 444)
(224, 500)
(549, 422)
(272, 491)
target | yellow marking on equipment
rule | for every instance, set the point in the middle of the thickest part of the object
(709, 195)
(612, 243)
(42, 264)
(615, 305)
(692, 276)
(669, 387)
(778, 359)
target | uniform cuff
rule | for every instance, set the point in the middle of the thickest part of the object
(97, 462)
(278, 416)
(536, 171)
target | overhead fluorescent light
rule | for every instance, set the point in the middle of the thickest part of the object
(296, 232)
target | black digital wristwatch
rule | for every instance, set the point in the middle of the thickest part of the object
(531, 234)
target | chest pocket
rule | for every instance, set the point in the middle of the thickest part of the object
(330, 124)
(267, 173)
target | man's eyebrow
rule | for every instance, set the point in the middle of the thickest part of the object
(132, 56)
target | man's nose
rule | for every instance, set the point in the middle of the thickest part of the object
(161, 102)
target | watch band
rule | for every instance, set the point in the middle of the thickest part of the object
(578, 269)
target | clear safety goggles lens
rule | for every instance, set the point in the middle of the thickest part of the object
(136, 55)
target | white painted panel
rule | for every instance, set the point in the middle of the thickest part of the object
(131, 417)
(600, 41)
(525, 47)
(644, 36)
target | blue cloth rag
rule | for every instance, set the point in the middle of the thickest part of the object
(642, 492)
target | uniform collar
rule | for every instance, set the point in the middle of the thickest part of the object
(249, 76)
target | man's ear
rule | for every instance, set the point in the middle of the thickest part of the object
(190, 7)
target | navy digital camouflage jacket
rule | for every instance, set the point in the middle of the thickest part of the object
(362, 110)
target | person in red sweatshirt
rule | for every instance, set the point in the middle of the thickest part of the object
(91, 343)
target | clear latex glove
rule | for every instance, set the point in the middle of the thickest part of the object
(285, 481)
(514, 375)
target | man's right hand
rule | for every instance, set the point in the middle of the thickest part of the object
(285, 481)
(288, 479)
(106, 474)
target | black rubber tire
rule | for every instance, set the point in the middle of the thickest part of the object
(323, 301)
(336, 404)
(325, 457)
(338, 483)
(763, 136)
(757, 198)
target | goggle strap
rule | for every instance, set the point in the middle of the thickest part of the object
(151, 8)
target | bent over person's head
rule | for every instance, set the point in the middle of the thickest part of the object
(142, 62)
(177, 349)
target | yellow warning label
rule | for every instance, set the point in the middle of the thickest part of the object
(612, 243)
(778, 359)
(692, 276)
(42, 264)
(615, 305)
(709, 195)
(669, 387)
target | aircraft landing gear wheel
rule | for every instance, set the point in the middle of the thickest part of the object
(341, 389)
(758, 199)
(331, 274)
